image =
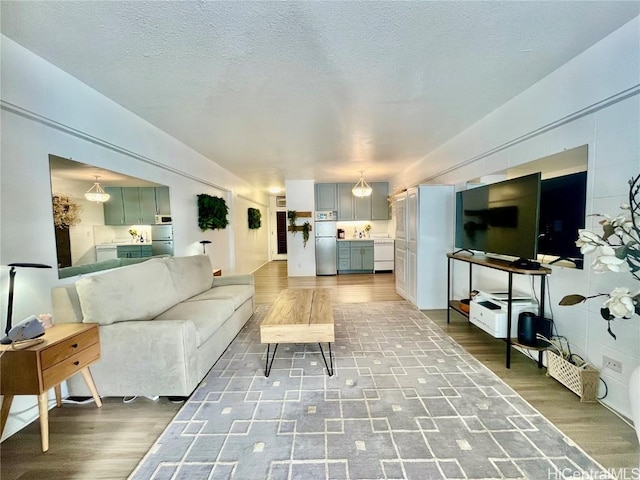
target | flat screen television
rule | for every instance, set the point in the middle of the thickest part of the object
(500, 218)
(562, 213)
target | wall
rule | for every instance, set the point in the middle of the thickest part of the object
(249, 243)
(301, 260)
(595, 100)
(46, 111)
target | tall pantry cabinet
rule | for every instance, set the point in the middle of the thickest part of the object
(425, 224)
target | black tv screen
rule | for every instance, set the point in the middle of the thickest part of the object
(500, 218)
(562, 213)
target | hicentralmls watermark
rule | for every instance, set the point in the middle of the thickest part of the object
(608, 474)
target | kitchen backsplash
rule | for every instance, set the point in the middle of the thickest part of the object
(378, 227)
(120, 234)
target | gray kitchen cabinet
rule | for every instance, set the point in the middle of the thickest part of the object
(355, 257)
(139, 205)
(130, 206)
(380, 201)
(326, 196)
(163, 204)
(344, 256)
(362, 256)
(134, 251)
(114, 207)
(374, 207)
(345, 202)
(361, 208)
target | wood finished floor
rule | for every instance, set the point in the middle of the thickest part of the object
(107, 443)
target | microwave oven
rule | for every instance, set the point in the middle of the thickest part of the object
(326, 216)
(161, 219)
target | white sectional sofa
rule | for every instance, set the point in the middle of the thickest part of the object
(163, 323)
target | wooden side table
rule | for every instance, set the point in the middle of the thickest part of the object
(217, 272)
(68, 348)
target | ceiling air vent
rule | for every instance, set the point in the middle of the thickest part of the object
(281, 201)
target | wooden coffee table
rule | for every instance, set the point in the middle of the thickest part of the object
(299, 315)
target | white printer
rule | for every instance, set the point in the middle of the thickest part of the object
(488, 310)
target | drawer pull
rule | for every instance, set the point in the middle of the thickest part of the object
(75, 345)
(76, 363)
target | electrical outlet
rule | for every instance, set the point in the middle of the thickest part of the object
(615, 365)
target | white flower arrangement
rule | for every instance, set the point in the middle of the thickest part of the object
(618, 249)
(66, 212)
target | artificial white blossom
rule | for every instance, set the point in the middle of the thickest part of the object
(588, 241)
(607, 261)
(621, 303)
(617, 250)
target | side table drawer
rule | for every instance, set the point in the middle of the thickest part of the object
(71, 346)
(69, 366)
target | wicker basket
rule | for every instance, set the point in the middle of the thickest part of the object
(583, 381)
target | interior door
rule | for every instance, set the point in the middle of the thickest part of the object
(412, 220)
(281, 232)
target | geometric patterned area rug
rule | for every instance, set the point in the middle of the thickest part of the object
(405, 402)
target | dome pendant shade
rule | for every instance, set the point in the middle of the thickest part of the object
(96, 193)
(362, 188)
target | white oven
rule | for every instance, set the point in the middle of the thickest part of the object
(383, 254)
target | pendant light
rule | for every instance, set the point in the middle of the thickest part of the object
(362, 188)
(96, 193)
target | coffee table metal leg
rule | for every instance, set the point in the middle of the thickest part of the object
(329, 370)
(267, 365)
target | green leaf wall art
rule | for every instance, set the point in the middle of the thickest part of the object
(212, 212)
(255, 218)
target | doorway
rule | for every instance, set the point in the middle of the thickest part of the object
(279, 235)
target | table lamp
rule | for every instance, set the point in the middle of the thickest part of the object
(204, 245)
(12, 274)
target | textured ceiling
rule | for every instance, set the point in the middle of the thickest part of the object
(311, 90)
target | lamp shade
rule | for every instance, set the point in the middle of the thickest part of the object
(361, 189)
(12, 275)
(96, 193)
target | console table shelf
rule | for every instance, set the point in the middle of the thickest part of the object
(510, 269)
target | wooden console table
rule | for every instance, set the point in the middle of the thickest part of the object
(67, 349)
(505, 266)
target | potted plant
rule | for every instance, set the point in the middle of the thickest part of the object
(66, 212)
(618, 250)
(292, 215)
(306, 228)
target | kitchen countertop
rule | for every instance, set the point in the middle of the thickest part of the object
(120, 244)
(355, 239)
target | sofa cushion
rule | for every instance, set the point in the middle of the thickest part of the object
(191, 275)
(136, 292)
(207, 316)
(238, 294)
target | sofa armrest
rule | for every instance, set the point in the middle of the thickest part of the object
(232, 280)
(158, 356)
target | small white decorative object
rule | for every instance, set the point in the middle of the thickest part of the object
(46, 319)
(634, 398)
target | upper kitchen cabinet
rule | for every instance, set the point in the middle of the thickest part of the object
(374, 207)
(346, 209)
(163, 205)
(114, 207)
(326, 196)
(139, 205)
(380, 201)
(135, 205)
